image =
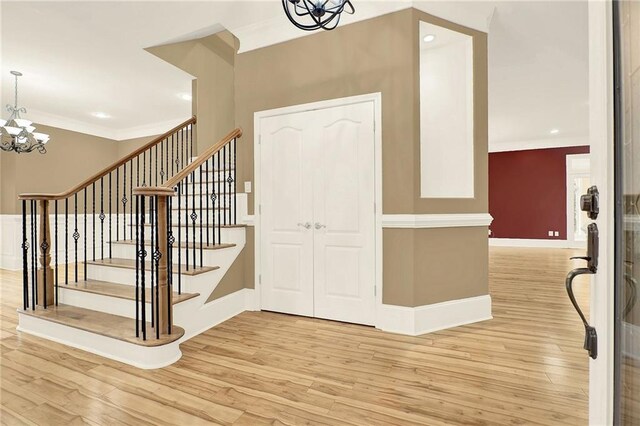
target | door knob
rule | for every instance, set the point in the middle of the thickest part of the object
(306, 225)
(320, 226)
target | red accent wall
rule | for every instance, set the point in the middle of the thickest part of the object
(528, 192)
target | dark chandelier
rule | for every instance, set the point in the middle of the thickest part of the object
(310, 15)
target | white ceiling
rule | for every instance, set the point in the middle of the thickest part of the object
(85, 57)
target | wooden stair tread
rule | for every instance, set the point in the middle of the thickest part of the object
(175, 245)
(121, 291)
(108, 325)
(131, 264)
(175, 225)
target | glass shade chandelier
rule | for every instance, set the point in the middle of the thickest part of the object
(16, 133)
(310, 15)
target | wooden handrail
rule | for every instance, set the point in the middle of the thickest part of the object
(194, 165)
(107, 170)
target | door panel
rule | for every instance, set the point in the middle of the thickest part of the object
(627, 345)
(344, 244)
(287, 247)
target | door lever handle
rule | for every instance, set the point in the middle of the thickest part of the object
(320, 226)
(590, 335)
(306, 225)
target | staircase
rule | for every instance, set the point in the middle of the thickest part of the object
(124, 264)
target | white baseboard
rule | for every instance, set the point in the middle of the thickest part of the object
(417, 221)
(524, 242)
(438, 316)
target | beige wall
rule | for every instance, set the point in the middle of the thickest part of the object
(380, 55)
(211, 61)
(71, 157)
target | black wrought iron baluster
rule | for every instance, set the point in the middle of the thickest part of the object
(230, 182)
(211, 179)
(156, 259)
(194, 215)
(186, 224)
(182, 151)
(66, 240)
(206, 195)
(170, 241)
(34, 257)
(133, 199)
(138, 170)
(235, 184)
(220, 197)
(25, 262)
(76, 234)
(110, 233)
(85, 234)
(224, 187)
(55, 226)
(124, 202)
(152, 247)
(172, 156)
(180, 238)
(156, 164)
(162, 162)
(93, 222)
(137, 255)
(118, 204)
(44, 246)
(102, 217)
(143, 255)
(201, 218)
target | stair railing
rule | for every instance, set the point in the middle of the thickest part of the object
(205, 194)
(107, 193)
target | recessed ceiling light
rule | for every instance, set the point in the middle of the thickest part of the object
(554, 131)
(429, 38)
(100, 115)
(185, 96)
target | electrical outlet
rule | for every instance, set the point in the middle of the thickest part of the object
(550, 233)
(247, 187)
(556, 234)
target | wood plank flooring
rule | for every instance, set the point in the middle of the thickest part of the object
(526, 366)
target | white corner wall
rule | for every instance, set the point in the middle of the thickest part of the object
(446, 114)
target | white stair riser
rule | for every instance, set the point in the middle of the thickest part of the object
(189, 283)
(209, 257)
(227, 235)
(111, 305)
(136, 355)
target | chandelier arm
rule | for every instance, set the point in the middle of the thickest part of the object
(325, 24)
(305, 10)
(303, 27)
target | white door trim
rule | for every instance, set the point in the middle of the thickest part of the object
(376, 98)
(448, 220)
(601, 124)
(570, 210)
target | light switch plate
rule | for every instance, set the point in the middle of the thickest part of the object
(247, 187)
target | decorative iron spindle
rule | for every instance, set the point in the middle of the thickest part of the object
(179, 189)
(34, 266)
(44, 246)
(194, 215)
(137, 251)
(156, 259)
(170, 241)
(235, 185)
(93, 222)
(206, 195)
(66, 241)
(230, 182)
(201, 218)
(85, 234)
(152, 247)
(55, 225)
(110, 233)
(132, 199)
(76, 234)
(143, 254)
(25, 254)
(102, 217)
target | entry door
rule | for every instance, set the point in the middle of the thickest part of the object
(317, 213)
(627, 170)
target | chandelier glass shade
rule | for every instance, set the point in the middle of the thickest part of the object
(310, 15)
(18, 134)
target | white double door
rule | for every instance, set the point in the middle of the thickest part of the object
(317, 216)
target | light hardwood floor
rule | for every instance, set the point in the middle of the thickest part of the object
(526, 366)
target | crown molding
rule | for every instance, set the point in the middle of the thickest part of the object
(538, 144)
(53, 120)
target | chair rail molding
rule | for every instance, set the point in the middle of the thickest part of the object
(449, 220)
